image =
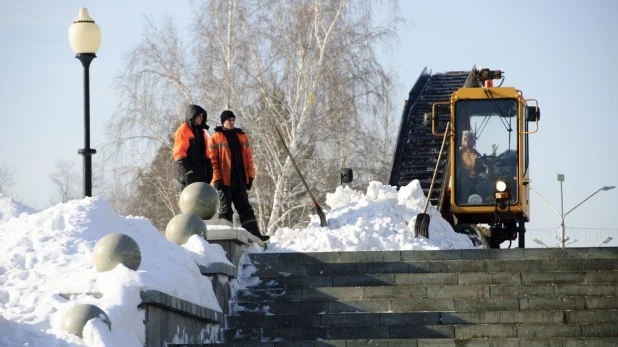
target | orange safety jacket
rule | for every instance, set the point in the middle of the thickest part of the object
(468, 157)
(221, 156)
(182, 139)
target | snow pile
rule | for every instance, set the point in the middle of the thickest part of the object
(381, 219)
(49, 253)
(12, 209)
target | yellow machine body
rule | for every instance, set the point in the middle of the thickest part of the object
(495, 189)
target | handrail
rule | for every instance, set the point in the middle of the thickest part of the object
(536, 120)
(435, 172)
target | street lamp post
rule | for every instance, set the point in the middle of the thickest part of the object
(606, 188)
(540, 242)
(85, 39)
(546, 246)
(607, 240)
(562, 231)
(561, 213)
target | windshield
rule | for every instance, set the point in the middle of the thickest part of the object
(486, 135)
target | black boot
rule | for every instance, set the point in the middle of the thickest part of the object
(252, 227)
(263, 237)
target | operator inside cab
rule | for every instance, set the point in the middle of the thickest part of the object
(469, 154)
(476, 172)
(471, 171)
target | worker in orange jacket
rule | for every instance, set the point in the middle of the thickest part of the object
(233, 173)
(191, 148)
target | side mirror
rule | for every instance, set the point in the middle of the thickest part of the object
(534, 114)
(346, 175)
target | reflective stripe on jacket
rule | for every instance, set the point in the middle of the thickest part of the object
(221, 156)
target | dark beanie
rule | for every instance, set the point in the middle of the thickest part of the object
(227, 114)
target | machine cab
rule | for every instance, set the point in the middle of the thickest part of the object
(489, 151)
(487, 173)
(486, 150)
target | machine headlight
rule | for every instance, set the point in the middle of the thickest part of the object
(500, 186)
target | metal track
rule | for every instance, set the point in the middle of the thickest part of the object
(417, 148)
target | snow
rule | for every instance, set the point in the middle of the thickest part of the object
(380, 219)
(10, 209)
(47, 253)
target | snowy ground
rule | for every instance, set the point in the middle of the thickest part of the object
(48, 253)
(380, 219)
(45, 253)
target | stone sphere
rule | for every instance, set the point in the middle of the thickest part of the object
(75, 319)
(200, 199)
(114, 249)
(180, 228)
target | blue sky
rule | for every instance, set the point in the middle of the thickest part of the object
(561, 53)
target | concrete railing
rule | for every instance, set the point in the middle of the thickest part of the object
(169, 319)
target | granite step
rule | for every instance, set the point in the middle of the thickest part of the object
(472, 342)
(425, 291)
(441, 331)
(587, 279)
(285, 269)
(424, 304)
(347, 320)
(428, 255)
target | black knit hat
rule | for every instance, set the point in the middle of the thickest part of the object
(227, 114)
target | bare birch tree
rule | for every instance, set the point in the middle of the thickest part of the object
(322, 59)
(66, 180)
(308, 67)
(6, 178)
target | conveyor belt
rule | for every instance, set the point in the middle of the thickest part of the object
(417, 148)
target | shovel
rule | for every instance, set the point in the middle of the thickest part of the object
(421, 225)
(315, 202)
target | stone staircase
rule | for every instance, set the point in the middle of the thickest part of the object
(494, 297)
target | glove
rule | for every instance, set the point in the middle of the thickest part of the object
(183, 171)
(250, 183)
(185, 167)
(218, 184)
